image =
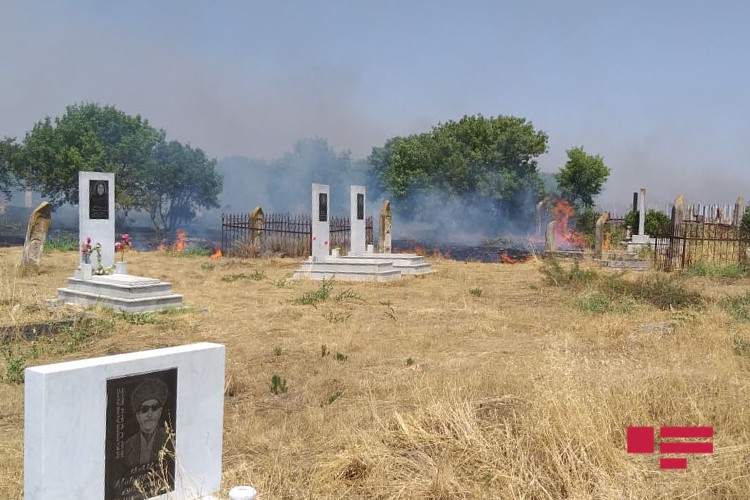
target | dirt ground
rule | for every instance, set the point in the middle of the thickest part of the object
(477, 381)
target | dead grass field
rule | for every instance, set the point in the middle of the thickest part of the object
(511, 393)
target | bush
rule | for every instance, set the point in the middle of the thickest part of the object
(745, 223)
(556, 275)
(704, 268)
(657, 222)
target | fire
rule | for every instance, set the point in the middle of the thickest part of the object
(562, 212)
(606, 242)
(216, 255)
(179, 245)
(162, 247)
(420, 251)
(507, 259)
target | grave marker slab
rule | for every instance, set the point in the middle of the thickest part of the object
(36, 235)
(321, 232)
(94, 428)
(96, 212)
(358, 234)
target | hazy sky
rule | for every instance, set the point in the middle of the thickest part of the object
(658, 88)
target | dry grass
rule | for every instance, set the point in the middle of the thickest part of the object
(514, 393)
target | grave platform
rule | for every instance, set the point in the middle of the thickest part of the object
(407, 263)
(121, 292)
(347, 269)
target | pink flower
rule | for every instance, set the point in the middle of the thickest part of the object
(88, 240)
(325, 242)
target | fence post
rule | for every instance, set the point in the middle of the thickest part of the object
(257, 224)
(599, 235)
(676, 243)
(738, 209)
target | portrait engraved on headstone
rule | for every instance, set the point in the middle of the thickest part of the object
(140, 436)
(322, 207)
(98, 199)
(360, 206)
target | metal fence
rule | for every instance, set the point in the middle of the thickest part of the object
(281, 234)
(694, 241)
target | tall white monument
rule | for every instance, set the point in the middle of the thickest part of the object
(96, 213)
(358, 232)
(321, 228)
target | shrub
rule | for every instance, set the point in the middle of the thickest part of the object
(556, 275)
(657, 222)
(704, 268)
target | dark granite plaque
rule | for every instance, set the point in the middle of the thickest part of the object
(322, 207)
(141, 427)
(360, 206)
(98, 199)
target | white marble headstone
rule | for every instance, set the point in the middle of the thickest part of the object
(321, 216)
(83, 422)
(358, 235)
(96, 213)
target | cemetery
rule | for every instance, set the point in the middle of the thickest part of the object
(355, 371)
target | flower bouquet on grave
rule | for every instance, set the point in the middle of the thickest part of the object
(121, 247)
(86, 250)
(100, 270)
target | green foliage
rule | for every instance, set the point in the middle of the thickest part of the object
(740, 346)
(63, 244)
(278, 385)
(348, 295)
(705, 268)
(555, 275)
(207, 266)
(166, 179)
(151, 318)
(324, 351)
(337, 317)
(600, 302)
(745, 223)
(277, 351)
(492, 159)
(254, 276)
(319, 295)
(584, 221)
(582, 177)
(188, 253)
(334, 397)
(389, 311)
(476, 292)
(341, 357)
(409, 361)
(663, 292)
(737, 306)
(16, 358)
(9, 165)
(657, 222)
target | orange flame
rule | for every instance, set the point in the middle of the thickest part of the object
(179, 245)
(507, 259)
(562, 212)
(162, 247)
(420, 251)
(216, 255)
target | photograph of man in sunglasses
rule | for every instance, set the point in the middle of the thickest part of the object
(148, 401)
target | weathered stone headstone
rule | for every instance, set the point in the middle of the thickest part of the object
(28, 198)
(96, 428)
(96, 213)
(386, 228)
(321, 229)
(642, 213)
(257, 226)
(599, 235)
(539, 207)
(738, 209)
(36, 235)
(358, 232)
(549, 237)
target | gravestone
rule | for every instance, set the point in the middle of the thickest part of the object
(599, 235)
(641, 238)
(321, 232)
(358, 231)
(386, 227)
(36, 235)
(549, 237)
(539, 208)
(738, 210)
(96, 213)
(103, 428)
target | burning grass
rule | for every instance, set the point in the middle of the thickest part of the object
(514, 394)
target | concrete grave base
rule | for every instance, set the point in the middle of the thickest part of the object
(68, 430)
(407, 263)
(347, 269)
(121, 292)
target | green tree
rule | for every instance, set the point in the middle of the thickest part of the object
(89, 137)
(491, 159)
(582, 177)
(9, 152)
(180, 180)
